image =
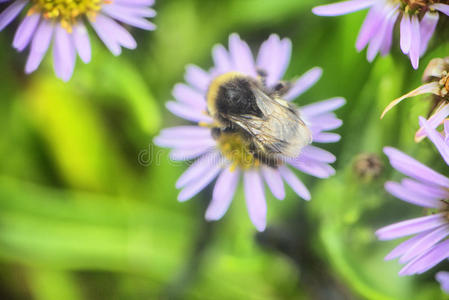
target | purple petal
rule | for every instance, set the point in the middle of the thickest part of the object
(194, 187)
(274, 181)
(411, 167)
(222, 61)
(406, 34)
(342, 8)
(187, 112)
(428, 260)
(406, 194)
(446, 131)
(294, 183)
(304, 82)
(39, 45)
(184, 143)
(404, 246)
(128, 15)
(241, 55)
(274, 57)
(199, 168)
(388, 36)
(266, 59)
(190, 132)
(122, 36)
(112, 34)
(415, 46)
(436, 138)
(64, 56)
(25, 31)
(428, 24)
(81, 41)
(443, 279)
(189, 153)
(198, 78)
(411, 226)
(425, 243)
(186, 137)
(255, 199)
(324, 122)
(223, 193)
(381, 38)
(133, 10)
(188, 95)
(430, 191)
(370, 26)
(434, 121)
(326, 137)
(444, 8)
(11, 12)
(312, 167)
(136, 2)
(322, 107)
(103, 30)
(318, 154)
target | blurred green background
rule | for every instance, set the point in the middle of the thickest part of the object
(88, 206)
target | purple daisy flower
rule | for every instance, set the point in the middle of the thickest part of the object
(429, 244)
(230, 159)
(63, 22)
(443, 279)
(419, 19)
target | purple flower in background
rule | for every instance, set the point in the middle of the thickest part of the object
(443, 279)
(418, 20)
(429, 243)
(226, 157)
(63, 22)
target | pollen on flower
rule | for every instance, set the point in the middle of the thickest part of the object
(67, 11)
(237, 151)
(418, 7)
(414, 6)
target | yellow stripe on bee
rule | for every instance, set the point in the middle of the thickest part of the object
(214, 88)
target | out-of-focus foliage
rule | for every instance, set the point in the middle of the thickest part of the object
(88, 206)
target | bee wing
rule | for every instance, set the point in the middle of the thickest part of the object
(281, 129)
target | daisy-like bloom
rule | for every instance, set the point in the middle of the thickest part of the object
(443, 279)
(227, 156)
(436, 82)
(418, 20)
(63, 22)
(429, 242)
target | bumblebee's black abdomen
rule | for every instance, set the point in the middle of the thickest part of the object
(236, 98)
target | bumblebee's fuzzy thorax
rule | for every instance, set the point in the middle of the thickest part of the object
(231, 93)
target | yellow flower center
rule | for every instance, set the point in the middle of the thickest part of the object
(234, 147)
(418, 7)
(67, 11)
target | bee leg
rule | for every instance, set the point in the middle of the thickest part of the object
(281, 88)
(209, 125)
(262, 76)
(267, 160)
(216, 133)
(264, 158)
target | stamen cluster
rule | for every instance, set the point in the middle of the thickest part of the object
(67, 11)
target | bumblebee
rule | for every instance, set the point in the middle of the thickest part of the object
(245, 107)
